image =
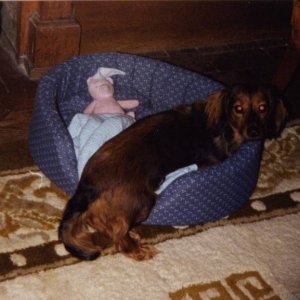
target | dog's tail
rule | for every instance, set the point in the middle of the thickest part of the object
(73, 229)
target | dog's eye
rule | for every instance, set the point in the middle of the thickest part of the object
(262, 108)
(239, 109)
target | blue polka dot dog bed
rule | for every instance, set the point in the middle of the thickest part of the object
(195, 197)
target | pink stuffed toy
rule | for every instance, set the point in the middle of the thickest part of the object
(100, 87)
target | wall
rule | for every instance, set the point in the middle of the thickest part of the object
(139, 26)
(44, 33)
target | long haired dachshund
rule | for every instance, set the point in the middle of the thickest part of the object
(117, 188)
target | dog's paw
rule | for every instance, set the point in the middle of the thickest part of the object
(142, 252)
(134, 235)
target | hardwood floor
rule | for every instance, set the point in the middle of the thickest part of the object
(229, 63)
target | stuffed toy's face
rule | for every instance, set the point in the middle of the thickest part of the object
(100, 87)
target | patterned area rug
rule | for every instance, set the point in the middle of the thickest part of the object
(252, 254)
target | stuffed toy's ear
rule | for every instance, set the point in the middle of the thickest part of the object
(108, 72)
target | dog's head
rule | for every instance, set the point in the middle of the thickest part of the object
(253, 112)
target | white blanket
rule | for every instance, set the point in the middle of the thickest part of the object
(90, 132)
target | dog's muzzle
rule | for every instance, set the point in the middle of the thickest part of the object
(253, 132)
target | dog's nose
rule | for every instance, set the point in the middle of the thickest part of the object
(253, 132)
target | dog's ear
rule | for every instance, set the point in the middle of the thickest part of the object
(214, 108)
(278, 114)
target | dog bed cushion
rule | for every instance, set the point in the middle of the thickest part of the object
(195, 197)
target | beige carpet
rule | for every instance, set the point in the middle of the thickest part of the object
(253, 254)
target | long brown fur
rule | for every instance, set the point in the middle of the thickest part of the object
(117, 188)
